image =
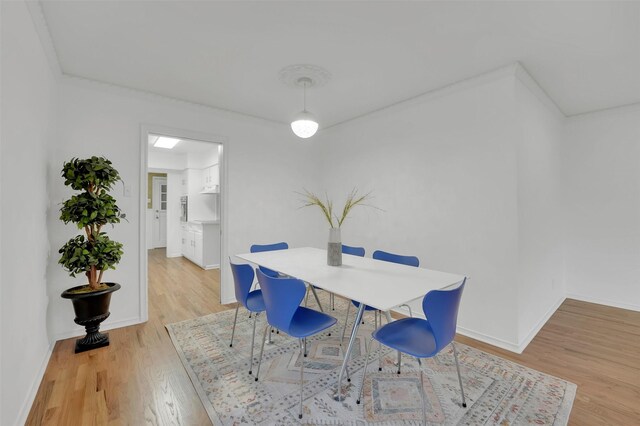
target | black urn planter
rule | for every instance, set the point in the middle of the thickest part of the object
(91, 309)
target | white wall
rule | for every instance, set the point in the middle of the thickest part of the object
(540, 266)
(29, 96)
(266, 164)
(166, 160)
(443, 168)
(200, 160)
(468, 178)
(601, 161)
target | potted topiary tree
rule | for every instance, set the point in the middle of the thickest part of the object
(92, 253)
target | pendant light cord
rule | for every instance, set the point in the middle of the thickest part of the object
(304, 96)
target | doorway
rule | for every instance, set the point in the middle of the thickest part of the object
(183, 206)
(159, 207)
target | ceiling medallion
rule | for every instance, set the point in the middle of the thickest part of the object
(313, 75)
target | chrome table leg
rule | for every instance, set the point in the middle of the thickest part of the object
(347, 354)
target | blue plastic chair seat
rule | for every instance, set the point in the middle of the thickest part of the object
(255, 301)
(412, 336)
(307, 322)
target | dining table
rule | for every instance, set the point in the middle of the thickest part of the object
(375, 283)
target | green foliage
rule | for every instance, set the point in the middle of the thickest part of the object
(353, 200)
(92, 174)
(91, 209)
(87, 209)
(79, 255)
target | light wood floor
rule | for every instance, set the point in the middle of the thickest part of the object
(140, 380)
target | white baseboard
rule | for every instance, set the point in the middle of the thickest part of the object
(216, 266)
(35, 385)
(228, 301)
(469, 333)
(522, 345)
(599, 301)
(490, 340)
(494, 341)
(79, 331)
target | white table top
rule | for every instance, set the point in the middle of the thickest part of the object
(382, 285)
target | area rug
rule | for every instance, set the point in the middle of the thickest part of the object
(498, 392)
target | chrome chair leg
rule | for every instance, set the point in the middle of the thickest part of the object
(304, 343)
(364, 372)
(253, 338)
(302, 351)
(233, 331)
(306, 299)
(264, 337)
(399, 361)
(346, 319)
(455, 355)
(409, 307)
(315, 295)
(424, 410)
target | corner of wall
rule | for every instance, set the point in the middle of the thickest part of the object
(42, 29)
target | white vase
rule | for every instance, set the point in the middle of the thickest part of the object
(334, 248)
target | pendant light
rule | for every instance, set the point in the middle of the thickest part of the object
(304, 124)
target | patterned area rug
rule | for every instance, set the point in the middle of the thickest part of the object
(498, 392)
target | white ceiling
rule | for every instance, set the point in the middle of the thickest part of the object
(585, 55)
(185, 146)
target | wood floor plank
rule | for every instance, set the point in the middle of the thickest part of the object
(140, 380)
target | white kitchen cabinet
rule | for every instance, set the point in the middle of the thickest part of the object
(194, 181)
(211, 177)
(198, 249)
(201, 243)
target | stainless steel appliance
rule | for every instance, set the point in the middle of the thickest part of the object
(184, 209)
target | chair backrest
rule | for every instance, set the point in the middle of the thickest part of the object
(282, 297)
(256, 248)
(441, 309)
(242, 280)
(396, 258)
(355, 251)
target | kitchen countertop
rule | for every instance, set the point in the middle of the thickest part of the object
(205, 222)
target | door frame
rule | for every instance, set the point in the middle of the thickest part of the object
(145, 130)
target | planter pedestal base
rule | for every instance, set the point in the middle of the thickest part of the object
(82, 346)
(94, 339)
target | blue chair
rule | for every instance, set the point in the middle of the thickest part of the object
(402, 260)
(252, 300)
(282, 298)
(256, 248)
(354, 251)
(423, 338)
(396, 258)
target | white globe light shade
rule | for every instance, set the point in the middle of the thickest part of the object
(304, 125)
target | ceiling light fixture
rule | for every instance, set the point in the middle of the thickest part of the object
(304, 124)
(166, 143)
